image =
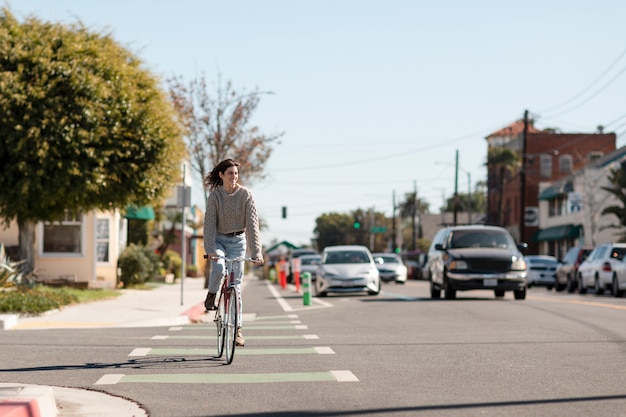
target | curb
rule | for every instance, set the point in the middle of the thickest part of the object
(7, 321)
(27, 401)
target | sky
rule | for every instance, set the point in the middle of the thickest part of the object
(376, 97)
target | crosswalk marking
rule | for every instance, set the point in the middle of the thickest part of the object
(247, 327)
(213, 337)
(332, 376)
(247, 351)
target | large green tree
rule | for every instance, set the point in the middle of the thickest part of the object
(83, 125)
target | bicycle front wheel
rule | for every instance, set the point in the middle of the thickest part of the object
(220, 316)
(232, 316)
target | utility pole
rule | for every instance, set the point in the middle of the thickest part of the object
(522, 179)
(455, 201)
(413, 214)
(393, 225)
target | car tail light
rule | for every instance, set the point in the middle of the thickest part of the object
(606, 267)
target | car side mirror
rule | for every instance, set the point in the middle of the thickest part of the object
(439, 246)
(522, 247)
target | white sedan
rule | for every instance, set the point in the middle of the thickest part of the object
(391, 267)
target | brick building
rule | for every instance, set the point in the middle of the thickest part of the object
(548, 156)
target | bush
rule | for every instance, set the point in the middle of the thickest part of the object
(137, 264)
(172, 262)
(31, 301)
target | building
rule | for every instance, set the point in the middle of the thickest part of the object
(543, 156)
(570, 210)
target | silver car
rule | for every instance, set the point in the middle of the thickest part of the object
(598, 270)
(347, 268)
(391, 267)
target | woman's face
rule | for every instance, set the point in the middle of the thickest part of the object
(230, 176)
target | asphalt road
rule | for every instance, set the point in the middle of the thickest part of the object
(396, 354)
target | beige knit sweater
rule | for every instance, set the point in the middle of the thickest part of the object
(229, 213)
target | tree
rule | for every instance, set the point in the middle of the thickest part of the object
(219, 127)
(412, 208)
(83, 126)
(617, 179)
(501, 163)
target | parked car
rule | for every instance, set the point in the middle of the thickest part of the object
(567, 271)
(476, 257)
(390, 267)
(309, 263)
(541, 270)
(294, 254)
(598, 270)
(618, 285)
(347, 268)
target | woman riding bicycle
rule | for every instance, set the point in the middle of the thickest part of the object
(231, 226)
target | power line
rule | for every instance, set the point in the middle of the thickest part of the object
(588, 87)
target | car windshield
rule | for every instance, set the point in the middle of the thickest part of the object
(389, 259)
(480, 239)
(346, 257)
(308, 261)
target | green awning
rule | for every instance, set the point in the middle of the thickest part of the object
(567, 231)
(141, 213)
(550, 193)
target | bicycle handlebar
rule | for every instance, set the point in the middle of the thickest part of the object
(237, 259)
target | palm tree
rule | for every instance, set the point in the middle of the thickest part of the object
(617, 179)
(502, 163)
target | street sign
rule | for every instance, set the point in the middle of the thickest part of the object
(378, 229)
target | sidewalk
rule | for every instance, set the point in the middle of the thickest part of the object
(160, 306)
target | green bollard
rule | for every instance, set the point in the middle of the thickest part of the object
(306, 288)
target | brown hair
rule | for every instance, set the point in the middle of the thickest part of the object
(213, 180)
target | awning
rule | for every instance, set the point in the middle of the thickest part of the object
(566, 231)
(141, 213)
(550, 193)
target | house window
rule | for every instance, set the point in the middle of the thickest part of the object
(566, 163)
(594, 155)
(545, 166)
(63, 237)
(102, 240)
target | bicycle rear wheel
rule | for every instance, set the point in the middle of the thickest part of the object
(220, 315)
(232, 316)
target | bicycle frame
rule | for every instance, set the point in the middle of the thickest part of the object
(228, 310)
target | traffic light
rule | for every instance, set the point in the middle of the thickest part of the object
(357, 222)
(397, 250)
(284, 212)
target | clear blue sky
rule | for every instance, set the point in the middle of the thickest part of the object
(376, 96)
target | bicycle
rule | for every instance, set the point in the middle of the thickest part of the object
(228, 308)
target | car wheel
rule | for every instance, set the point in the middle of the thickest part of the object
(499, 293)
(520, 294)
(559, 287)
(448, 291)
(401, 282)
(598, 289)
(318, 289)
(435, 292)
(616, 291)
(571, 284)
(581, 285)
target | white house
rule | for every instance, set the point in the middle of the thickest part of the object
(570, 209)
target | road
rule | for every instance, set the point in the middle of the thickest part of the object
(396, 354)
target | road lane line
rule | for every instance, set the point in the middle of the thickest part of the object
(324, 351)
(586, 303)
(140, 352)
(213, 337)
(344, 376)
(110, 379)
(332, 376)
